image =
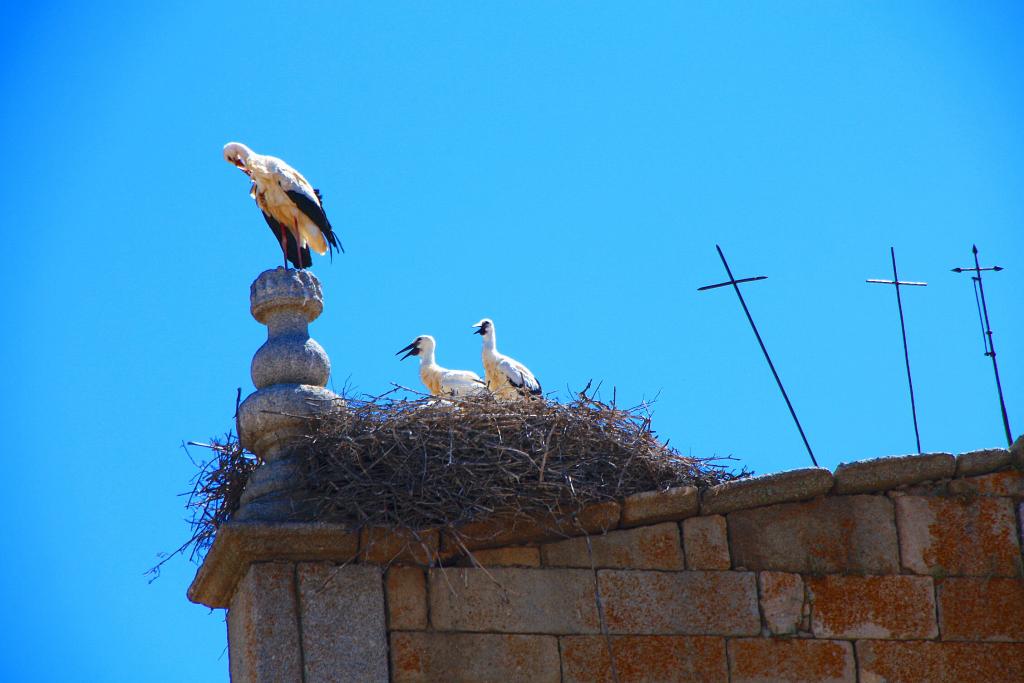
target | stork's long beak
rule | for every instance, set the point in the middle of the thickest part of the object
(411, 348)
(479, 329)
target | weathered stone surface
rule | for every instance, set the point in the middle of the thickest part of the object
(706, 542)
(680, 603)
(982, 461)
(433, 657)
(343, 624)
(1017, 453)
(644, 659)
(882, 474)
(782, 602)
(263, 626)
(832, 535)
(508, 600)
(882, 607)
(239, 544)
(510, 556)
(274, 418)
(406, 590)
(771, 660)
(651, 507)
(769, 489)
(292, 291)
(502, 530)
(889, 661)
(981, 609)
(958, 537)
(383, 546)
(647, 547)
(1008, 483)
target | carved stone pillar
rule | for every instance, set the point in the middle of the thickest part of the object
(290, 371)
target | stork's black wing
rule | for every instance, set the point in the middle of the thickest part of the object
(299, 258)
(315, 212)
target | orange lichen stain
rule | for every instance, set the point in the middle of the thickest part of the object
(926, 662)
(407, 658)
(1008, 483)
(873, 606)
(982, 609)
(973, 537)
(790, 659)
(660, 548)
(644, 659)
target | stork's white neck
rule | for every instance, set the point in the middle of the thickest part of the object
(427, 357)
(490, 343)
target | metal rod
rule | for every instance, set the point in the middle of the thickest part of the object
(735, 284)
(992, 349)
(726, 284)
(906, 352)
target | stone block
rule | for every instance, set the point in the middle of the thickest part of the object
(881, 607)
(1017, 453)
(647, 547)
(652, 507)
(384, 546)
(836, 534)
(239, 544)
(343, 623)
(508, 600)
(891, 661)
(706, 542)
(1008, 483)
(430, 657)
(796, 660)
(782, 602)
(680, 603)
(882, 474)
(958, 537)
(981, 462)
(406, 590)
(769, 489)
(501, 530)
(509, 556)
(981, 609)
(643, 659)
(263, 626)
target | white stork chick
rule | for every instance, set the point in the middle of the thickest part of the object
(506, 377)
(293, 209)
(442, 381)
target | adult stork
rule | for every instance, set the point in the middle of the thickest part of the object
(442, 381)
(293, 209)
(506, 377)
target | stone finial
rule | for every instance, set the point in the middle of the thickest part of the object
(289, 371)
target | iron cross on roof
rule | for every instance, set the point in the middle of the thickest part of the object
(735, 285)
(903, 328)
(986, 330)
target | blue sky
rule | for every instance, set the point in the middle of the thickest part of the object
(565, 169)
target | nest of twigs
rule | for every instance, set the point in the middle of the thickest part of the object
(426, 463)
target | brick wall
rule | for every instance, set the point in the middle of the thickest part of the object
(897, 569)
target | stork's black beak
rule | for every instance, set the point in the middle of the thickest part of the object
(479, 330)
(411, 348)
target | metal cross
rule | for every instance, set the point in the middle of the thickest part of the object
(986, 330)
(903, 327)
(735, 285)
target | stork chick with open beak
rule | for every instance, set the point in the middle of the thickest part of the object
(292, 208)
(442, 381)
(506, 377)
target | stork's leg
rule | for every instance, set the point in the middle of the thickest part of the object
(298, 242)
(284, 248)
